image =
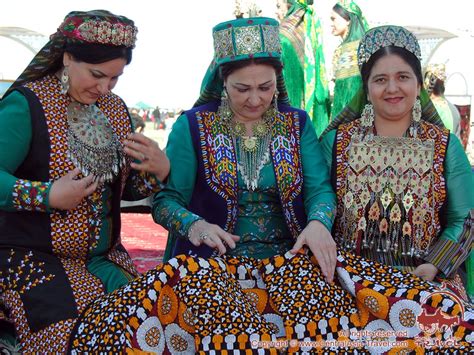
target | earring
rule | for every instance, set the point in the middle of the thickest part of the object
(64, 81)
(273, 109)
(224, 111)
(416, 113)
(367, 117)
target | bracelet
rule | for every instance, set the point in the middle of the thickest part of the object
(191, 228)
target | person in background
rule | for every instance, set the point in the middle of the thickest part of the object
(435, 79)
(303, 61)
(71, 158)
(349, 24)
(404, 188)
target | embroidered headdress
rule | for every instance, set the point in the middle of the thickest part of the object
(240, 39)
(374, 40)
(96, 27)
(384, 36)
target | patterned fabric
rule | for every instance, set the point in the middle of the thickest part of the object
(76, 28)
(220, 166)
(219, 159)
(30, 195)
(388, 193)
(193, 305)
(72, 232)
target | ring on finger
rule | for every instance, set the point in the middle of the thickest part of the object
(203, 236)
(144, 157)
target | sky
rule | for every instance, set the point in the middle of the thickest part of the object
(174, 44)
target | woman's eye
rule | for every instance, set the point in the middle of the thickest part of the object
(242, 90)
(264, 88)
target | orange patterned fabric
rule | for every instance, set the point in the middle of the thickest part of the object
(228, 304)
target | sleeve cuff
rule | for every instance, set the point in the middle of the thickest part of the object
(447, 255)
(323, 213)
(182, 220)
(31, 195)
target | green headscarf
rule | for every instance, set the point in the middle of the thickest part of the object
(358, 25)
(304, 53)
(96, 26)
(374, 40)
(241, 39)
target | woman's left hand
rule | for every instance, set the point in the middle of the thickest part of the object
(322, 245)
(426, 271)
(152, 158)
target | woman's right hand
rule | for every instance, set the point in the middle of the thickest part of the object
(211, 235)
(67, 192)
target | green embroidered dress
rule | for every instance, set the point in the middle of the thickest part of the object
(260, 221)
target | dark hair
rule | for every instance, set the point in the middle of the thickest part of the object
(342, 12)
(93, 53)
(406, 55)
(228, 68)
(438, 88)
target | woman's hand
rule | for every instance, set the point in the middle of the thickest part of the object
(211, 235)
(426, 271)
(322, 245)
(67, 192)
(152, 158)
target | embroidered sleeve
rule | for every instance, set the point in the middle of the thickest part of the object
(324, 213)
(447, 255)
(140, 185)
(174, 217)
(30, 195)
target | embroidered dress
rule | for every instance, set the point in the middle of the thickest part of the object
(53, 262)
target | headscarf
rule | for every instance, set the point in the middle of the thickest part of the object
(434, 72)
(240, 39)
(358, 24)
(304, 32)
(374, 40)
(96, 26)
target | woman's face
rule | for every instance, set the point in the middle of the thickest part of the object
(251, 91)
(89, 81)
(339, 25)
(393, 88)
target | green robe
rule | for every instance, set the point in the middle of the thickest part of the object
(260, 222)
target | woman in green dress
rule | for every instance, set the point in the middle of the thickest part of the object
(349, 24)
(68, 158)
(304, 67)
(403, 182)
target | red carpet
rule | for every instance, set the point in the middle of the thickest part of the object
(144, 240)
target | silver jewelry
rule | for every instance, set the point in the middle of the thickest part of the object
(144, 157)
(224, 111)
(64, 81)
(203, 236)
(93, 146)
(367, 116)
(416, 113)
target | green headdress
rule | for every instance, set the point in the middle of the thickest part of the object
(374, 40)
(240, 39)
(358, 25)
(96, 26)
